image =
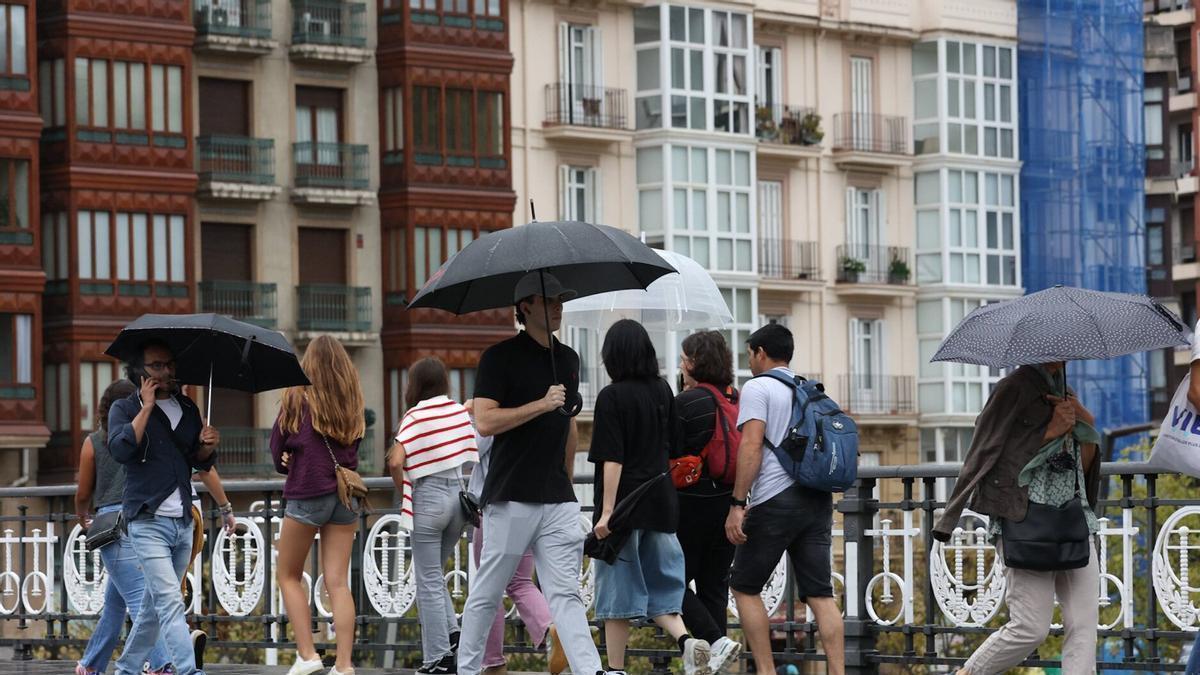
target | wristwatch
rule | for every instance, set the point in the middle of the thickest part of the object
(737, 502)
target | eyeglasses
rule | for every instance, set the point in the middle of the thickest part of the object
(158, 366)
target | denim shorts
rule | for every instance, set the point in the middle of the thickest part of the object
(647, 580)
(321, 511)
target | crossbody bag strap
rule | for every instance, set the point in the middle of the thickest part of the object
(332, 456)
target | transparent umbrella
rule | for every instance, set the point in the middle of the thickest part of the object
(689, 300)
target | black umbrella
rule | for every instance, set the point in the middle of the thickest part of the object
(585, 258)
(215, 350)
(608, 548)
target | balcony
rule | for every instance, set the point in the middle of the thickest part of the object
(787, 132)
(787, 265)
(877, 395)
(1169, 12)
(870, 141)
(585, 113)
(334, 174)
(238, 168)
(331, 308)
(329, 30)
(879, 271)
(1184, 265)
(243, 300)
(233, 26)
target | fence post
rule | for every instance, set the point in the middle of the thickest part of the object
(858, 511)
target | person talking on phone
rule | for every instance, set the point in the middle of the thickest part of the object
(160, 437)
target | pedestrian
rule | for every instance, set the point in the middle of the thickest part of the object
(526, 596)
(706, 364)
(433, 444)
(634, 433)
(1036, 441)
(101, 486)
(318, 425)
(770, 514)
(1193, 397)
(158, 434)
(528, 499)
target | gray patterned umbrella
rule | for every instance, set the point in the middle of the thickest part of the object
(1062, 324)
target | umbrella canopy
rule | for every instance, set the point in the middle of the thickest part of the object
(608, 548)
(689, 300)
(215, 350)
(1062, 324)
(586, 258)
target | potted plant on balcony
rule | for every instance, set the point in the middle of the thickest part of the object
(765, 125)
(851, 269)
(898, 272)
(810, 129)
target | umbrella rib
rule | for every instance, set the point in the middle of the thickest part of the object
(1099, 331)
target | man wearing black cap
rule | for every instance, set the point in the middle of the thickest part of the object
(528, 499)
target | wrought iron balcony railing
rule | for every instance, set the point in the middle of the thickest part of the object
(329, 22)
(860, 132)
(236, 159)
(331, 165)
(788, 259)
(787, 125)
(586, 106)
(234, 18)
(877, 394)
(334, 308)
(243, 300)
(858, 264)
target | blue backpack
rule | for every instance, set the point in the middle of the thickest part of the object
(820, 449)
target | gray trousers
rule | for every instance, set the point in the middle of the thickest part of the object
(437, 528)
(554, 534)
(1030, 600)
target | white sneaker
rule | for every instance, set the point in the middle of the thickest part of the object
(725, 653)
(302, 667)
(696, 656)
(335, 671)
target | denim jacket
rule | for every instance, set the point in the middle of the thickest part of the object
(157, 466)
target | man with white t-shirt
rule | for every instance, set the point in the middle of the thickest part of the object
(771, 514)
(159, 436)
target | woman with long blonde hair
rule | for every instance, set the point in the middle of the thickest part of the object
(316, 424)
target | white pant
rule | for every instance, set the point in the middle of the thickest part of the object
(1030, 599)
(555, 534)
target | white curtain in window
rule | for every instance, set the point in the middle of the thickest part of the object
(24, 349)
(327, 135)
(160, 248)
(99, 92)
(82, 97)
(137, 103)
(121, 95)
(16, 21)
(122, 232)
(141, 247)
(175, 99)
(103, 262)
(60, 92)
(158, 104)
(177, 263)
(84, 243)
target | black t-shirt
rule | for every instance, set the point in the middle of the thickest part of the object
(526, 463)
(698, 417)
(636, 426)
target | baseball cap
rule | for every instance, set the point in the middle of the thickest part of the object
(531, 284)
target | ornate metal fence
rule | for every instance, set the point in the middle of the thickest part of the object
(907, 599)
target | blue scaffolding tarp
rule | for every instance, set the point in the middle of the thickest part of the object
(1080, 88)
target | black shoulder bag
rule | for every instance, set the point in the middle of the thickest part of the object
(105, 529)
(1049, 538)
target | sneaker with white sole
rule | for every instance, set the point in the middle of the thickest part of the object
(696, 655)
(447, 665)
(724, 654)
(306, 667)
(335, 671)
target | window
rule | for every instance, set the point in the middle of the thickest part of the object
(864, 223)
(774, 247)
(57, 400)
(1153, 122)
(967, 105)
(743, 305)
(945, 445)
(94, 378)
(396, 382)
(429, 250)
(318, 125)
(169, 249)
(458, 124)
(92, 236)
(52, 88)
(866, 353)
(16, 349)
(770, 80)
(1185, 148)
(862, 104)
(705, 83)
(462, 384)
(14, 194)
(129, 95)
(967, 228)
(14, 47)
(55, 246)
(579, 70)
(395, 246)
(579, 189)
(91, 92)
(393, 120)
(427, 113)
(949, 387)
(1155, 255)
(489, 128)
(487, 7)
(132, 246)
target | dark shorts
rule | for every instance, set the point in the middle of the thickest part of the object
(797, 521)
(320, 511)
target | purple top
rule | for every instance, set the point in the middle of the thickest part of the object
(310, 470)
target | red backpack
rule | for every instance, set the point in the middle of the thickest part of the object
(721, 452)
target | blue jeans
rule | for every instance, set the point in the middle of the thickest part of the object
(1193, 664)
(164, 547)
(124, 592)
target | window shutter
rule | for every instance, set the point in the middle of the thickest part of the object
(564, 193)
(855, 354)
(852, 242)
(596, 50)
(564, 70)
(776, 82)
(761, 79)
(878, 216)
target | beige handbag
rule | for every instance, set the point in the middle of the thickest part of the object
(350, 485)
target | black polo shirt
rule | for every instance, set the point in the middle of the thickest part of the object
(527, 463)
